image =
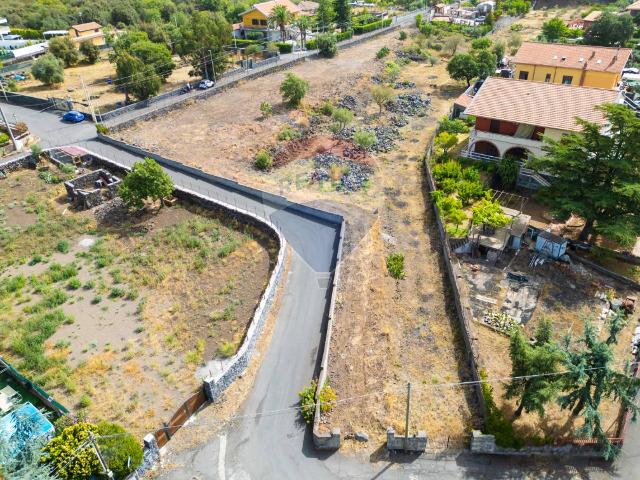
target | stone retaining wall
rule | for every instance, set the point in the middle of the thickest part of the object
(413, 443)
(599, 268)
(24, 161)
(486, 445)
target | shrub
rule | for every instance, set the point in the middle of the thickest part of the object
(288, 134)
(480, 43)
(370, 27)
(90, 52)
(383, 52)
(147, 180)
(102, 129)
(327, 108)
(450, 169)
(293, 89)
(496, 423)
(395, 265)
(452, 126)
(403, 35)
(122, 451)
(62, 246)
(308, 402)
(263, 160)
(62, 453)
(391, 72)
(446, 204)
(74, 284)
(381, 95)
(365, 140)
(64, 49)
(489, 213)
(85, 401)
(469, 191)
(48, 69)
(342, 117)
(327, 44)
(284, 47)
(253, 50)
(508, 170)
(266, 109)
(4, 138)
(346, 35)
(227, 349)
(117, 292)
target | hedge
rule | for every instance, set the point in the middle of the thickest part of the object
(284, 47)
(313, 43)
(245, 43)
(370, 27)
(27, 33)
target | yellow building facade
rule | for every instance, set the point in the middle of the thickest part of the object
(254, 19)
(567, 76)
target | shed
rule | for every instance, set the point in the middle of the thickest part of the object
(551, 244)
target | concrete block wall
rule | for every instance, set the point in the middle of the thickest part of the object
(486, 445)
(413, 443)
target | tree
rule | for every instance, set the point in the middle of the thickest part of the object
(48, 69)
(596, 175)
(280, 17)
(202, 40)
(529, 360)
(327, 45)
(481, 43)
(382, 95)
(452, 43)
(365, 140)
(135, 77)
(486, 62)
(90, 51)
(155, 55)
(343, 13)
(391, 72)
(147, 180)
(555, 29)
(489, 213)
(445, 141)
(592, 378)
(342, 117)
(610, 30)
(325, 15)
(293, 89)
(65, 50)
(463, 66)
(499, 49)
(121, 450)
(304, 24)
(62, 453)
(508, 170)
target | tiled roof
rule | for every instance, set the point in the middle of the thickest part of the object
(266, 8)
(308, 6)
(603, 59)
(542, 104)
(593, 16)
(634, 6)
(463, 100)
(83, 27)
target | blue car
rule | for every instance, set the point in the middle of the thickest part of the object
(73, 116)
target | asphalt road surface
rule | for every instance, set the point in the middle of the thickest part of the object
(279, 446)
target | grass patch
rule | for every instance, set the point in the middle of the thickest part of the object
(227, 349)
(395, 265)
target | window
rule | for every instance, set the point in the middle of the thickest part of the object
(263, 22)
(524, 76)
(567, 79)
(547, 78)
(494, 126)
(255, 22)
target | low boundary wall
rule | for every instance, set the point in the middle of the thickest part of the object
(605, 271)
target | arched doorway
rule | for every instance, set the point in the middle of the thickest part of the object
(518, 153)
(485, 148)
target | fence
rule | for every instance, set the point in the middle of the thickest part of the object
(194, 403)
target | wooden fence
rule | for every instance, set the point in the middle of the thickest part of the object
(188, 408)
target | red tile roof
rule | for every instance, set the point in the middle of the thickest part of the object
(84, 27)
(542, 104)
(635, 7)
(603, 59)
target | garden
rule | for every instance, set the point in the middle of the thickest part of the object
(114, 309)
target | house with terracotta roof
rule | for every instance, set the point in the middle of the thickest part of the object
(256, 19)
(586, 22)
(634, 8)
(87, 32)
(580, 65)
(511, 116)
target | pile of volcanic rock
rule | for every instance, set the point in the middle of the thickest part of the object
(404, 85)
(386, 136)
(411, 104)
(349, 102)
(354, 174)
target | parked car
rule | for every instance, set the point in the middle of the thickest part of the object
(73, 116)
(204, 84)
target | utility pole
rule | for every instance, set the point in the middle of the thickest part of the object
(86, 94)
(213, 68)
(406, 418)
(4, 92)
(16, 144)
(105, 467)
(206, 70)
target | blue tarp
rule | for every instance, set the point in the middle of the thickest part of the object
(23, 426)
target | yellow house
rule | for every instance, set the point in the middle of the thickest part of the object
(257, 17)
(87, 32)
(578, 65)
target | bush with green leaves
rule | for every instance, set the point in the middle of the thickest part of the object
(287, 134)
(263, 160)
(253, 50)
(496, 423)
(90, 52)
(327, 108)
(382, 95)
(508, 170)
(266, 109)
(121, 450)
(452, 126)
(469, 191)
(64, 49)
(4, 138)
(364, 140)
(395, 265)
(48, 69)
(342, 117)
(391, 72)
(146, 180)
(293, 89)
(327, 399)
(102, 129)
(62, 453)
(403, 35)
(327, 45)
(383, 52)
(489, 212)
(449, 169)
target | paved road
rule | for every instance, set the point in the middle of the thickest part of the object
(278, 446)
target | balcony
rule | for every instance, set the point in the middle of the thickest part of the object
(498, 145)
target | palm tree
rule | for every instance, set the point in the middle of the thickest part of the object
(303, 23)
(281, 17)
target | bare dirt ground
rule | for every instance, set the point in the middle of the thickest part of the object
(155, 296)
(104, 96)
(386, 332)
